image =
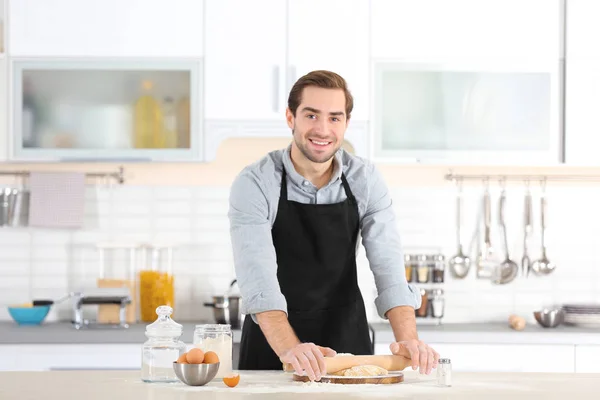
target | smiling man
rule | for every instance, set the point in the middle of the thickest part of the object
(295, 216)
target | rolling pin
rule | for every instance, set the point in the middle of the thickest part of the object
(335, 364)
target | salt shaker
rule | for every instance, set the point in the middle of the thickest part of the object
(444, 372)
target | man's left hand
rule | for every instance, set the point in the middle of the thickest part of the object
(421, 355)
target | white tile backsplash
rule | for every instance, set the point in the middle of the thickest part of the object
(45, 263)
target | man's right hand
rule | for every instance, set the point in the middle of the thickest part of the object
(309, 358)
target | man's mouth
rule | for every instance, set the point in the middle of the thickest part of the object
(319, 142)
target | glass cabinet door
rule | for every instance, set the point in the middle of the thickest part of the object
(119, 110)
(468, 112)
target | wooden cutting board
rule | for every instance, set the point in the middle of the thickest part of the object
(392, 377)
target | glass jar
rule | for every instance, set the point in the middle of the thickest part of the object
(444, 372)
(217, 338)
(437, 303)
(409, 264)
(422, 269)
(439, 267)
(162, 348)
(156, 280)
(422, 311)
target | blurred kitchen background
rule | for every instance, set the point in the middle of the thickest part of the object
(182, 95)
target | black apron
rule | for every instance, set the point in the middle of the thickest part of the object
(315, 246)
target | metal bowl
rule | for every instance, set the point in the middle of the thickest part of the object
(195, 374)
(549, 318)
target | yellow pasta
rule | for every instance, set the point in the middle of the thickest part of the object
(156, 289)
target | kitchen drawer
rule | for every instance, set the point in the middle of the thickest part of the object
(586, 358)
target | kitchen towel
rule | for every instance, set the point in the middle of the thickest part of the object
(57, 199)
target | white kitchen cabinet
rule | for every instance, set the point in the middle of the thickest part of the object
(465, 28)
(582, 28)
(113, 28)
(3, 109)
(503, 357)
(86, 109)
(336, 38)
(581, 112)
(8, 357)
(246, 60)
(467, 111)
(586, 358)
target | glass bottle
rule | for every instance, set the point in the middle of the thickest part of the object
(422, 311)
(422, 269)
(439, 268)
(408, 267)
(444, 372)
(157, 285)
(148, 119)
(437, 303)
(162, 348)
(217, 338)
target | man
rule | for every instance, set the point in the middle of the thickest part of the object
(295, 216)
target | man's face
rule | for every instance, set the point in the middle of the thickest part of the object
(320, 123)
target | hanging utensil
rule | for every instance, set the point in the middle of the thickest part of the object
(543, 266)
(507, 270)
(485, 259)
(460, 263)
(528, 229)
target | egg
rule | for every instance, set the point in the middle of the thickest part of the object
(211, 357)
(195, 356)
(232, 380)
(182, 359)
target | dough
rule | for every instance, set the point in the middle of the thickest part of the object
(362, 370)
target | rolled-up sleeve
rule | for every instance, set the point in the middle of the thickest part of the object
(253, 252)
(381, 239)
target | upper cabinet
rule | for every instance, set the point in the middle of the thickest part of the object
(479, 93)
(2, 28)
(332, 35)
(253, 67)
(583, 29)
(105, 110)
(107, 28)
(465, 28)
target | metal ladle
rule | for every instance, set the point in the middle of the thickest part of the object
(543, 266)
(506, 271)
(460, 263)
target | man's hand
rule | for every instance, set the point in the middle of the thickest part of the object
(421, 355)
(308, 357)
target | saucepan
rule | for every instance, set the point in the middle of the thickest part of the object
(226, 308)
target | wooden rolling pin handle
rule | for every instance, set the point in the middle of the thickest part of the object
(335, 364)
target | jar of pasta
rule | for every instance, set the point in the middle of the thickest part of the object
(156, 281)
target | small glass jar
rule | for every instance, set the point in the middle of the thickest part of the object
(217, 338)
(439, 267)
(444, 372)
(409, 261)
(162, 348)
(437, 302)
(422, 269)
(422, 311)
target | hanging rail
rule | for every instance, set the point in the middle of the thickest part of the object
(118, 176)
(520, 177)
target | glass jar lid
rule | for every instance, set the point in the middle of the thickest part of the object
(164, 326)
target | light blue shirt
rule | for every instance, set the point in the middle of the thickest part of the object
(253, 205)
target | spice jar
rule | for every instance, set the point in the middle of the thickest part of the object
(439, 268)
(422, 311)
(162, 348)
(156, 281)
(444, 372)
(437, 303)
(217, 338)
(422, 269)
(410, 263)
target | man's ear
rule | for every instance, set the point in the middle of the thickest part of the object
(289, 117)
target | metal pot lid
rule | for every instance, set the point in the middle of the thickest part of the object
(164, 326)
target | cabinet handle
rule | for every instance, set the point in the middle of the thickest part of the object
(276, 88)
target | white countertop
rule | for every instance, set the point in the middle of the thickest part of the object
(113, 385)
(489, 333)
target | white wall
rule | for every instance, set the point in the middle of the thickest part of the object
(188, 204)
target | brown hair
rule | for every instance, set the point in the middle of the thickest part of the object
(322, 79)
